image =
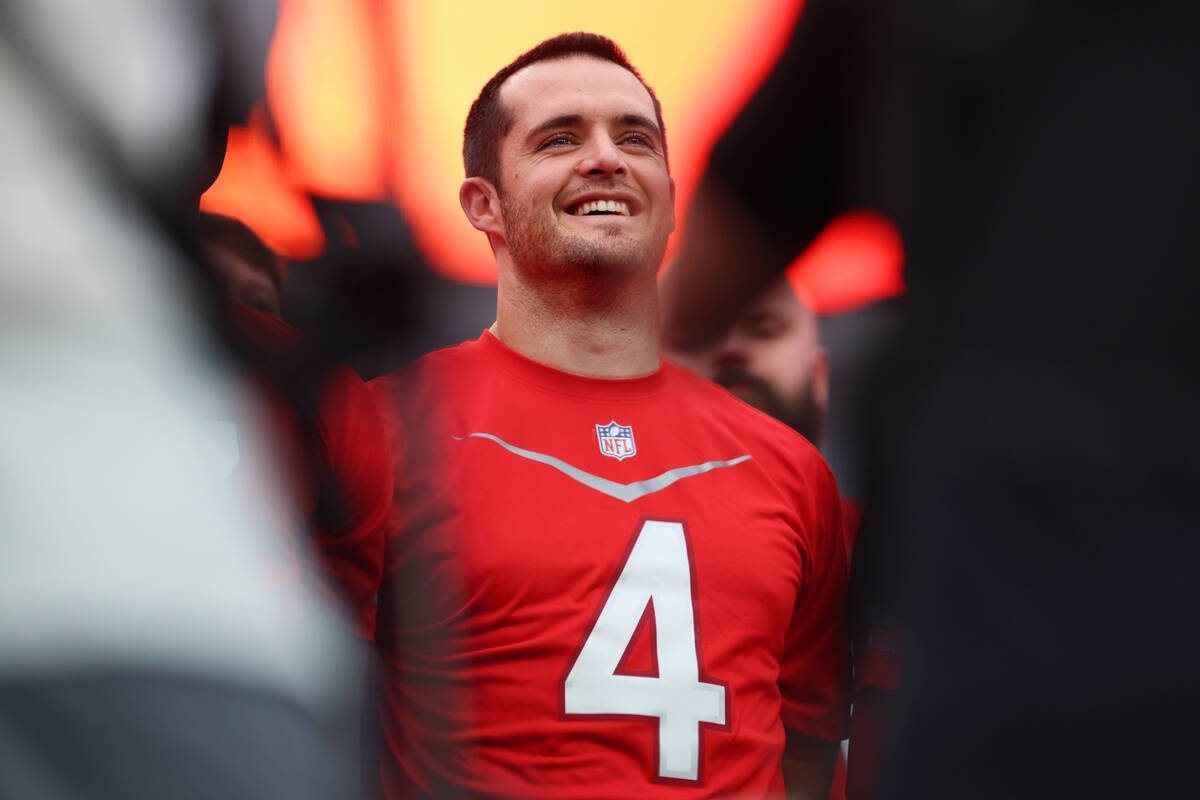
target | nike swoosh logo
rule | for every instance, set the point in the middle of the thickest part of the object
(626, 492)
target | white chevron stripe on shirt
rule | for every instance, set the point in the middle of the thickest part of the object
(626, 492)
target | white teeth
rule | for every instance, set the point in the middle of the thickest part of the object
(611, 206)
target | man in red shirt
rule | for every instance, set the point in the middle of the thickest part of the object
(606, 577)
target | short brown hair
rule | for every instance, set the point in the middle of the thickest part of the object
(489, 121)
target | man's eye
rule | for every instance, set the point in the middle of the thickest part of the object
(558, 140)
(764, 327)
(638, 139)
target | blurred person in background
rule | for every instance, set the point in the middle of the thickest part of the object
(1029, 513)
(609, 578)
(320, 432)
(247, 270)
(143, 650)
(771, 357)
(324, 435)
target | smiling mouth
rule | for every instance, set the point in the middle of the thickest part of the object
(593, 208)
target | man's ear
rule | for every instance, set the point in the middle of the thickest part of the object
(820, 384)
(481, 203)
(672, 184)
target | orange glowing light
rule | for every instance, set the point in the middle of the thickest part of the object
(369, 97)
(324, 88)
(254, 187)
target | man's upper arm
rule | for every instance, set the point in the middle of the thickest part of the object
(814, 678)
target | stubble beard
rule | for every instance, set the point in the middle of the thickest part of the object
(537, 243)
(800, 413)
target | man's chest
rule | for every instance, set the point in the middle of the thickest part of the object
(535, 517)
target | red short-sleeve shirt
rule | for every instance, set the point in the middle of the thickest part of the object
(601, 588)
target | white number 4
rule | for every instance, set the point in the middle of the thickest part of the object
(657, 571)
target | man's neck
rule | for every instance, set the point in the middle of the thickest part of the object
(584, 326)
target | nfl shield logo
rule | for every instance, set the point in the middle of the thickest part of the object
(616, 440)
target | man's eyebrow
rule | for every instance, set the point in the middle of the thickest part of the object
(637, 120)
(574, 120)
(563, 121)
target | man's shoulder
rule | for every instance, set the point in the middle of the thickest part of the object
(441, 364)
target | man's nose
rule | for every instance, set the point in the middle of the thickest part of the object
(601, 158)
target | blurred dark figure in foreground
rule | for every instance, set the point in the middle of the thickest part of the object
(143, 649)
(1030, 505)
